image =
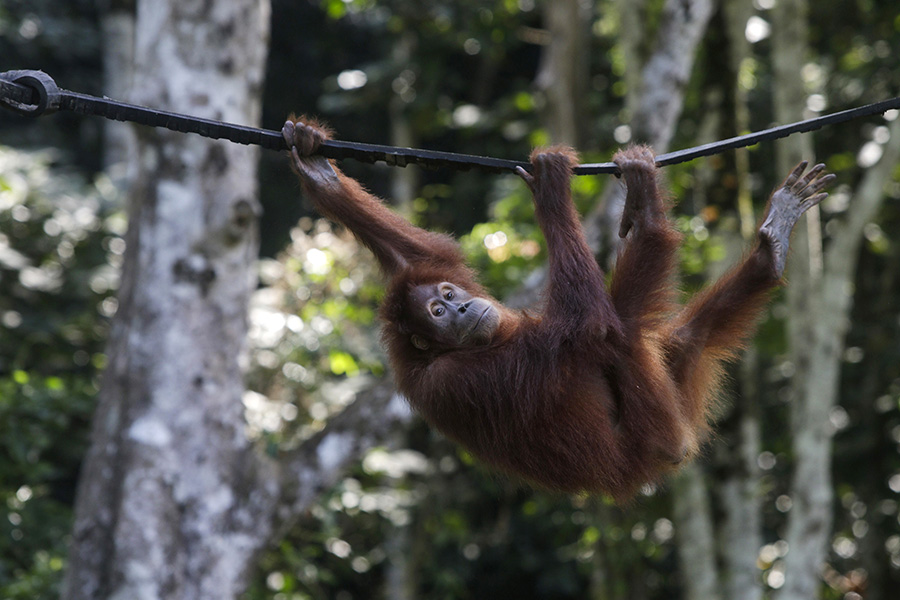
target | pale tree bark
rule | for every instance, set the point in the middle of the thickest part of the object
(632, 38)
(739, 492)
(810, 519)
(740, 497)
(564, 70)
(659, 98)
(819, 298)
(876, 448)
(174, 503)
(695, 535)
(404, 182)
(120, 139)
(666, 73)
(170, 492)
(399, 578)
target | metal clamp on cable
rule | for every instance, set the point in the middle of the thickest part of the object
(32, 93)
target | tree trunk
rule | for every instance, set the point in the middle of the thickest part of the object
(564, 70)
(660, 98)
(809, 522)
(633, 36)
(740, 493)
(696, 541)
(171, 492)
(120, 139)
(404, 182)
(874, 447)
(668, 70)
(819, 299)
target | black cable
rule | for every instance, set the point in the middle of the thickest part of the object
(34, 93)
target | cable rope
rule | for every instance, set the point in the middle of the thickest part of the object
(35, 93)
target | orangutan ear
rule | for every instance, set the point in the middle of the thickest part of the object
(419, 342)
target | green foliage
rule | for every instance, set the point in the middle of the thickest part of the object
(312, 330)
(698, 249)
(510, 246)
(460, 76)
(43, 426)
(453, 530)
(58, 242)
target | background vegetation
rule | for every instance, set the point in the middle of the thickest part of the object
(418, 518)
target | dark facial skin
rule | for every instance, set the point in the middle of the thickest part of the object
(452, 317)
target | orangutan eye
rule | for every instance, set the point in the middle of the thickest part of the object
(448, 295)
(437, 310)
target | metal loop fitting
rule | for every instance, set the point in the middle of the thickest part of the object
(45, 95)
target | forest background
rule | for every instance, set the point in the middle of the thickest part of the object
(344, 494)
